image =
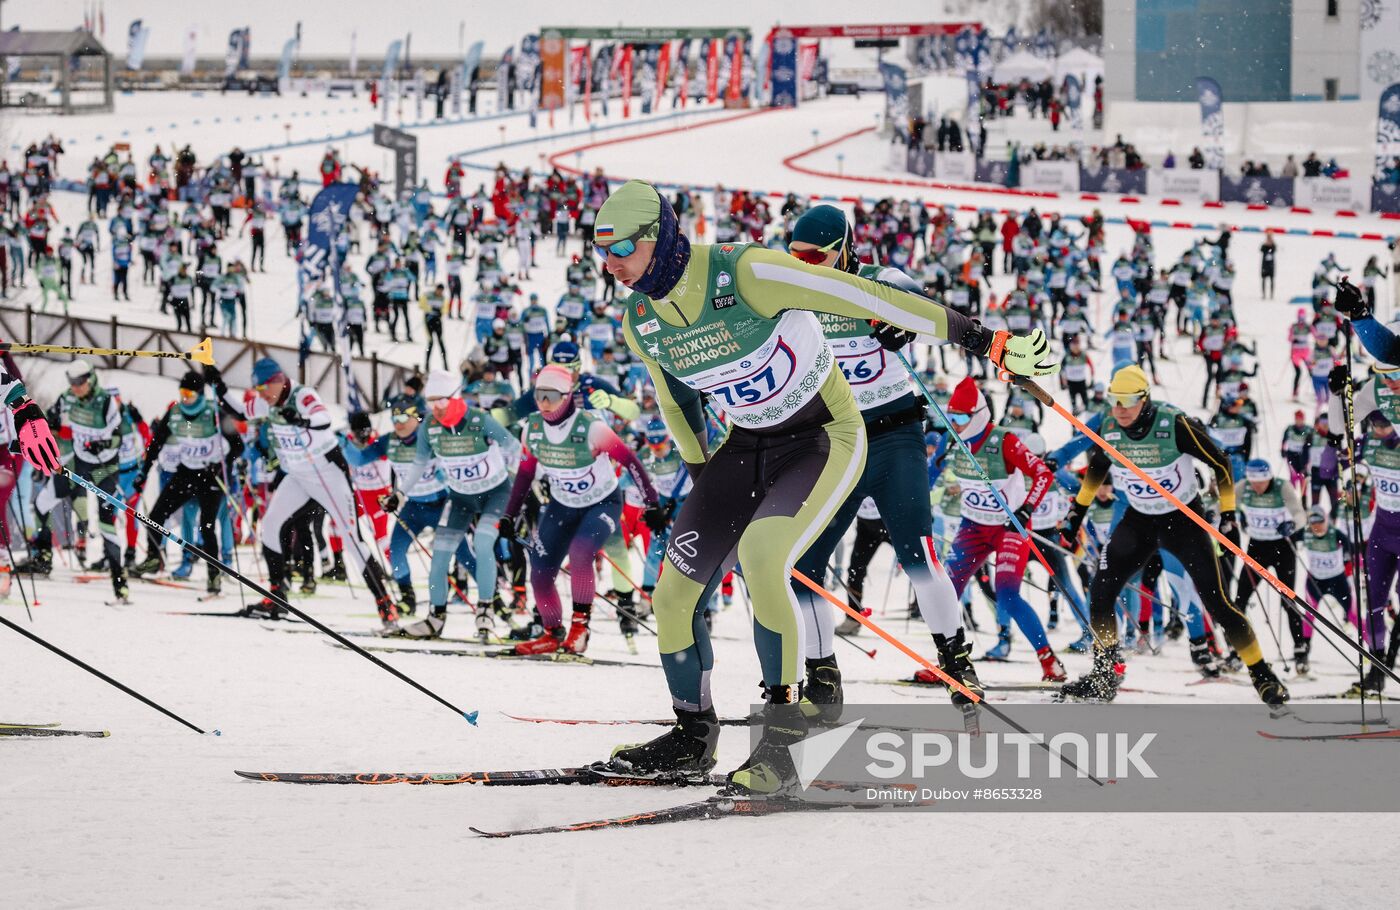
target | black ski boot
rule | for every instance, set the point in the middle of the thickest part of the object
(1374, 684)
(1100, 683)
(1301, 654)
(408, 599)
(769, 770)
(270, 607)
(686, 751)
(626, 613)
(1175, 627)
(129, 557)
(215, 584)
(337, 570)
(1203, 659)
(40, 562)
(822, 695)
(151, 565)
(1271, 691)
(378, 584)
(955, 657)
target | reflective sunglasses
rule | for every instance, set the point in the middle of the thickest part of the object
(1125, 401)
(959, 419)
(816, 255)
(627, 245)
(189, 396)
(550, 397)
(405, 417)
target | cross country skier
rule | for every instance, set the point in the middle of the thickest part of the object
(1274, 520)
(1326, 552)
(1160, 439)
(736, 322)
(24, 428)
(1377, 402)
(985, 529)
(92, 418)
(473, 453)
(896, 472)
(576, 451)
(314, 468)
(192, 427)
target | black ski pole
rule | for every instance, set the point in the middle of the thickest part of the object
(100, 675)
(19, 581)
(1358, 540)
(280, 601)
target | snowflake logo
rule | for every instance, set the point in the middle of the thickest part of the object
(1383, 68)
(1254, 193)
(1209, 98)
(1391, 105)
(1112, 184)
(1371, 13)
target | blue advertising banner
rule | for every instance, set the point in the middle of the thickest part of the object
(1212, 122)
(1385, 197)
(784, 69)
(1388, 129)
(896, 97)
(1271, 191)
(998, 172)
(1112, 180)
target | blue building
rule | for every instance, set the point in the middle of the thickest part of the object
(1258, 50)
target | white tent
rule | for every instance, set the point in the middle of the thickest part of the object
(1079, 63)
(1023, 65)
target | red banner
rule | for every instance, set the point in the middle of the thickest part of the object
(575, 72)
(736, 71)
(663, 70)
(712, 72)
(627, 81)
(806, 61)
(552, 52)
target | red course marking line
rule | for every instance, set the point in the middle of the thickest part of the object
(929, 184)
(790, 163)
(554, 159)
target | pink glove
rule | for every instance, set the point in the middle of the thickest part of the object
(36, 442)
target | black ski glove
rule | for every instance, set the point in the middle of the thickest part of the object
(1069, 533)
(1023, 515)
(1350, 302)
(655, 517)
(290, 414)
(391, 503)
(1337, 379)
(215, 379)
(891, 337)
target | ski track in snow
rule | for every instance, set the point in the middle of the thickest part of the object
(154, 816)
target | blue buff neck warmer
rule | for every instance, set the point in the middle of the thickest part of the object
(669, 259)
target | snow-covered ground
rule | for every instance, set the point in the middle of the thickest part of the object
(154, 816)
